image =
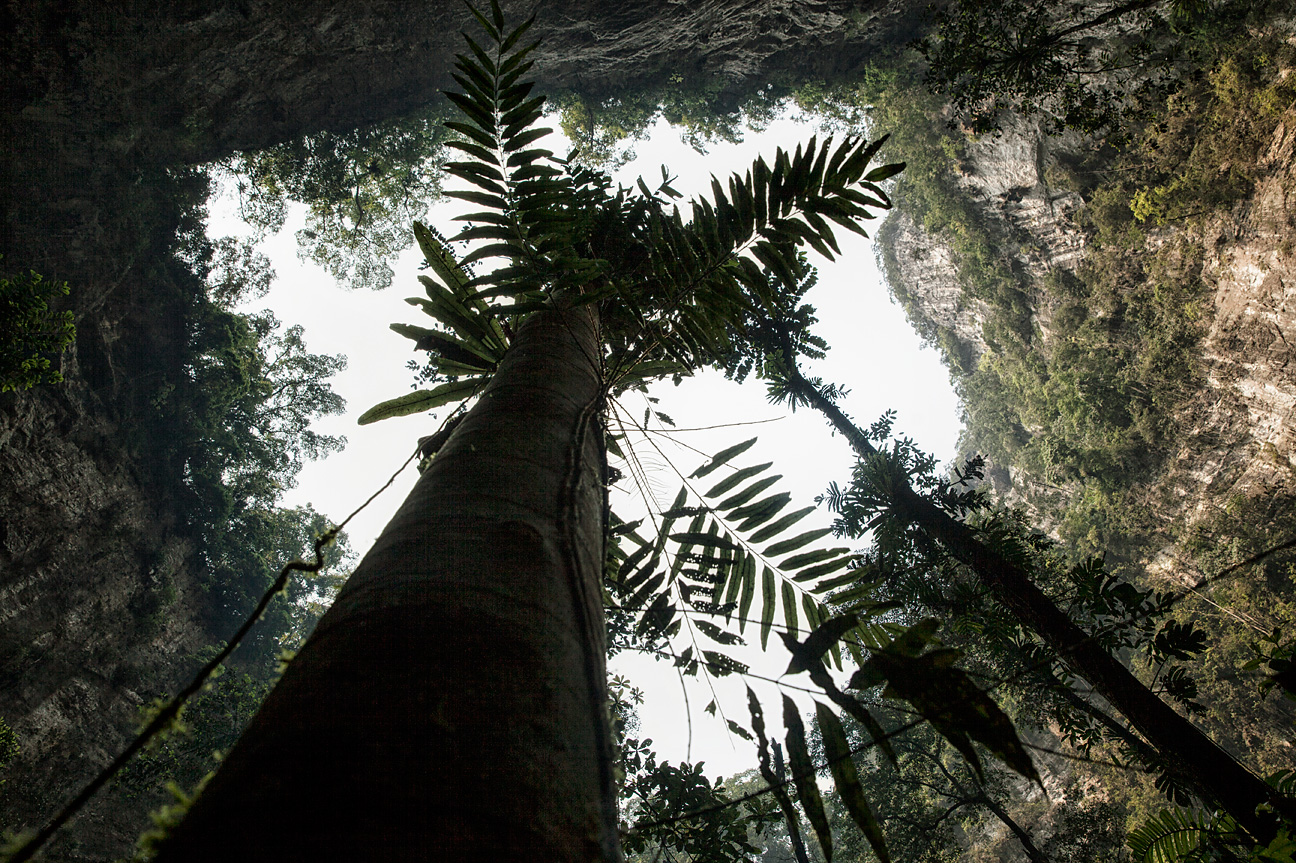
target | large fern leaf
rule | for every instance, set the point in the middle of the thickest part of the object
(1168, 837)
(739, 557)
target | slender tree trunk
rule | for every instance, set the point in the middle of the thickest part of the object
(452, 703)
(1110, 15)
(1183, 748)
(1028, 845)
(978, 796)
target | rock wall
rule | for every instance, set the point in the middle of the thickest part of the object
(1006, 177)
(925, 269)
(1236, 434)
(1240, 436)
(195, 80)
(98, 610)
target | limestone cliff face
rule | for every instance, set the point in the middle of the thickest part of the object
(1237, 433)
(1241, 438)
(1005, 176)
(97, 608)
(928, 275)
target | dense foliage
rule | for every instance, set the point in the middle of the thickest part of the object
(33, 332)
(361, 188)
(1089, 67)
(1079, 387)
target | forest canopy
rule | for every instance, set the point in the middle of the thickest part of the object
(966, 700)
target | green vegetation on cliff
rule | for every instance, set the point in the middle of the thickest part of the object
(32, 331)
(1084, 373)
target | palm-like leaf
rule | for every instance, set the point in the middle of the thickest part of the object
(1167, 837)
(738, 554)
(672, 293)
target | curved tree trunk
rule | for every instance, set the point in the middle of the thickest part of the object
(1183, 749)
(452, 703)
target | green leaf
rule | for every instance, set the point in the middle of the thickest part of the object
(721, 458)
(790, 608)
(821, 678)
(526, 157)
(704, 539)
(636, 557)
(721, 664)
(494, 250)
(748, 589)
(1168, 837)
(481, 199)
(518, 141)
(948, 699)
(474, 150)
(440, 258)
(715, 633)
(479, 114)
(767, 771)
(492, 31)
(455, 349)
(469, 326)
(735, 478)
(877, 175)
(740, 498)
(765, 506)
(421, 401)
(522, 115)
(803, 776)
(738, 729)
(825, 568)
(515, 36)
(769, 596)
(695, 527)
(781, 525)
(765, 513)
(847, 780)
(487, 65)
(640, 599)
(470, 131)
(797, 561)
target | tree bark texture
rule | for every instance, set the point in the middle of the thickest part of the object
(452, 703)
(1181, 747)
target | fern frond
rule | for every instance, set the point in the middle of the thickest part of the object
(1168, 837)
(740, 556)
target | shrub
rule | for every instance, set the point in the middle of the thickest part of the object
(33, 332)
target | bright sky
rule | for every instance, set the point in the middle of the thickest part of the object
(874, 353)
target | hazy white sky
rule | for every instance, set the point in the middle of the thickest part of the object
(874, 352)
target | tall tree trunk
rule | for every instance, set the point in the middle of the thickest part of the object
(452, 703)
(1184, 750)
